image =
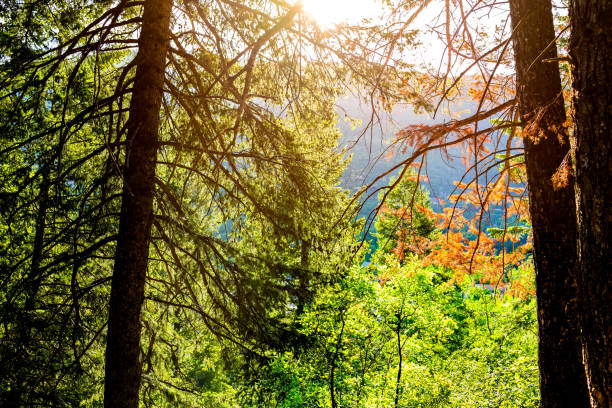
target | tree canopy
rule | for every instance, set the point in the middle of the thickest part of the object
(176, 231)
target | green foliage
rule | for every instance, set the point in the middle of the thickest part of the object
(401, 225)
(460, 346)
(252, 298)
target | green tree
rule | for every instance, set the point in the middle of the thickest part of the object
(56, 204)
(399, 335)
(223, 149)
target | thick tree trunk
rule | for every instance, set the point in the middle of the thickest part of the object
(562, 378)
(123, 366)
(591, 55)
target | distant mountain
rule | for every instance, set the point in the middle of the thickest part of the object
(369, 150)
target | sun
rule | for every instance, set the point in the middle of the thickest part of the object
(327, 13)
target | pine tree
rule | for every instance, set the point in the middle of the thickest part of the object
(123, 365)
(542, 110)
(590, 50)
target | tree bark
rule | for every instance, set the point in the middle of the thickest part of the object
(541, 106)
(332, 380)
(123, 365)
(590, 50)
(34, 279)
(398, 382)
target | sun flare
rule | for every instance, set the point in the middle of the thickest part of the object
(327, 13)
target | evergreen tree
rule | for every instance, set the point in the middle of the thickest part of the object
(551, 207)
(591, 59)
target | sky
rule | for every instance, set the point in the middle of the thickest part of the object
(329, 12)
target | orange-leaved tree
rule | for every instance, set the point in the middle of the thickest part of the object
(511, 72)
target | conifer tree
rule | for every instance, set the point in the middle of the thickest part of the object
(590, 51)
(123, 365)
(542, 111)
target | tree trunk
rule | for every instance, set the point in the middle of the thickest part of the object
(123, 365)
(398, 382)
(332, 379)
(34, 279)
(562, 378)
(591, 55)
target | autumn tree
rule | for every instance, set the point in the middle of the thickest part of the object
(402, 225)
(470, 57)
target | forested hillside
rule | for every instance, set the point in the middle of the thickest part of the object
(372, 152)
(211, 203)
